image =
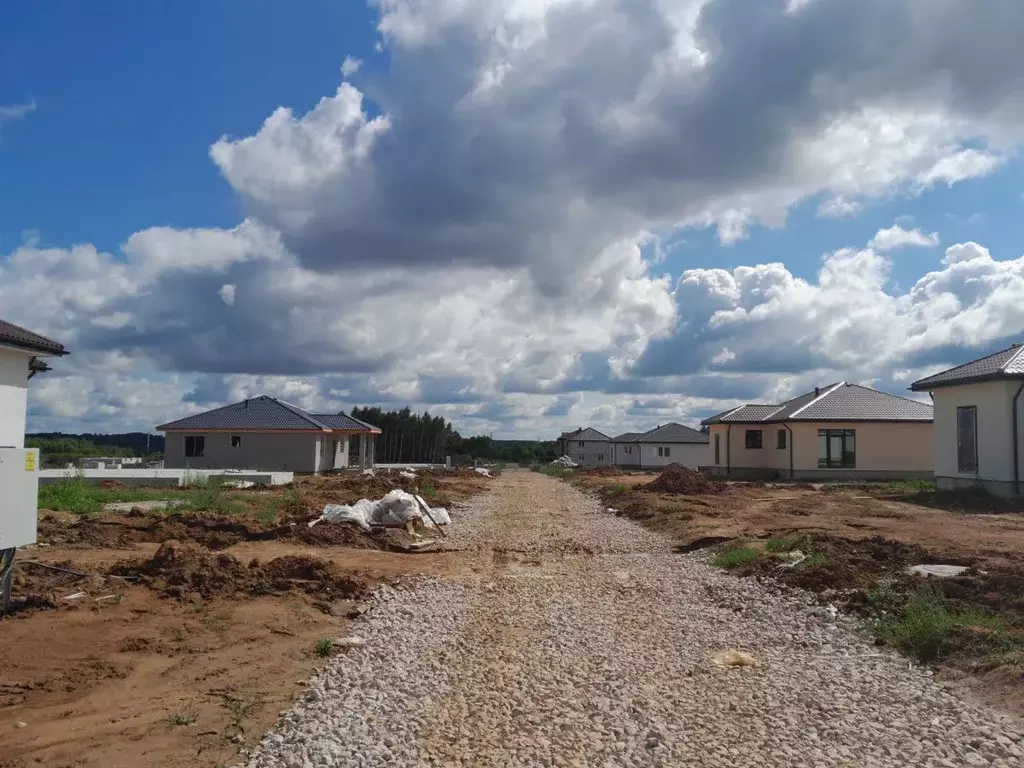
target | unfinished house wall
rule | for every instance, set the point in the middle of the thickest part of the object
(590, 453)
(13, 396)
(691, 455)
(626, 454)
(282, 451)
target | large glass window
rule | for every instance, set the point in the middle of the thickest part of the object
(780, 439)
(967, 438)
(837, 448)
(754, 438)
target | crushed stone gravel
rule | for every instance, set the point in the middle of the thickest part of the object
(576, 638)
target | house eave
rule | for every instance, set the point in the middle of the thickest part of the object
(920, 386)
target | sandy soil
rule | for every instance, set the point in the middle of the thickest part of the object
(196, 659)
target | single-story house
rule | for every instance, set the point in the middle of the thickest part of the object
(268, 434)
(839, 431)
(586, 446)
(21, 353)
(666, 444)
(979, 422)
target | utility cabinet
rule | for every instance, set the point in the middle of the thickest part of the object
(19, 496)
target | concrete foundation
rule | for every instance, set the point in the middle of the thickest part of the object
(163, 476)
(817, 475)
(1001, 488)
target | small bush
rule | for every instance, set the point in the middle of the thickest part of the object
(186, 715)
(815, 558)
(736, 557)
(428, 490)
(324, 647)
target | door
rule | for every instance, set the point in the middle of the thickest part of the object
(718, 451)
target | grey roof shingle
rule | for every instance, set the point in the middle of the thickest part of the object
(836, 402)
(627, 437)
(1004, 364)
(266, 413)
(853, 402)
(674, 433)
(586, 433)
(16, 336)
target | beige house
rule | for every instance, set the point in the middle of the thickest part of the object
(268, 434)
(665, 444)
(840, 431)
(979, 422)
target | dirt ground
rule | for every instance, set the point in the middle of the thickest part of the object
(209, 635)
(860, 538)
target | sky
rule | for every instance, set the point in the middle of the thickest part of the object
(524, 215)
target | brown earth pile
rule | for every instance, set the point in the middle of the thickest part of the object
(184, 569)
(676, 478)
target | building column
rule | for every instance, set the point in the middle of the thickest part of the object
(362, 451)
(370, 451)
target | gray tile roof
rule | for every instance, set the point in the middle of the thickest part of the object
(266, 413)
(674, 433)
(836, 402)
(853, 402)
(627, 437)
(16, 336)
(1004, 364)
(586, 433)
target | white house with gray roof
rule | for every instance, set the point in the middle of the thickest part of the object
(979, 422)
(839, 431)
(268, 434)
(666, 444)
(586, 446)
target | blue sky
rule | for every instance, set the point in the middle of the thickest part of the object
(461, 222)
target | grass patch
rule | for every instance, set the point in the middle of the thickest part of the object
(736, 557)
(269, 512)
(324, 647)
(551, 471)
(924, 624)
(239, 710)
(786, 543)
(186, 715)
(428, 490)
(74, 494)
(815, 558)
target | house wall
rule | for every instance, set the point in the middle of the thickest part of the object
(626, 454)
(993, 400)
(13, 396)
(691, 455)
(884, 450)
(284, 451)
(591, 453)
(332, 452)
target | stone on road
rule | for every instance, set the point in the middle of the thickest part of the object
(575, 638)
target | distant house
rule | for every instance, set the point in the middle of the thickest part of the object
(979, 422)
(21, 357)
(666, 444)
(586, 446)
(839, 431)
(269, 434)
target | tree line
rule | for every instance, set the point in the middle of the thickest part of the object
(58, 449)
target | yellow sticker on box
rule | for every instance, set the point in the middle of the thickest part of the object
(30, 462)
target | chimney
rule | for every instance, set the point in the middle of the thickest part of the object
(817, 391)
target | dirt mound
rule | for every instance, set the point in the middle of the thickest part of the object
(676, 478)
(600, 471)
(183, 570)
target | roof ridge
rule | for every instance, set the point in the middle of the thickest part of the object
(1012, 360)
(817, 399)
(975, 360)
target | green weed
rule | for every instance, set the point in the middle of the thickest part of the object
(324, 647)
(786, 543)
(924, 624)
(428, 490)
(74, 494)
(736, 557)
(186, 715)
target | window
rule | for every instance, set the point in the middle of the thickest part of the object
(236, 441)
(627, 449)
(663, 451)
(754, 438)
(600, 457)
(967, 438)
(718, 454)
(581, 443)
(780, 439)
(837, 448)
(195, 445)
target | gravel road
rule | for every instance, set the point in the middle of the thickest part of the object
(575, 638)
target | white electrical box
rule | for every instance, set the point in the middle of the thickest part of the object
(19, 496)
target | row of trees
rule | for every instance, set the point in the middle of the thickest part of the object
(57, 449)
(414, 438)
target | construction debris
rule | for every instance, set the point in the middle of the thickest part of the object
(483, 472)
(734, 659)
(564, 461)
(939, 571)
(395, 510)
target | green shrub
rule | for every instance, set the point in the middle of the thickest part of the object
(786, 543)
(324, 647)
(736, 557)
